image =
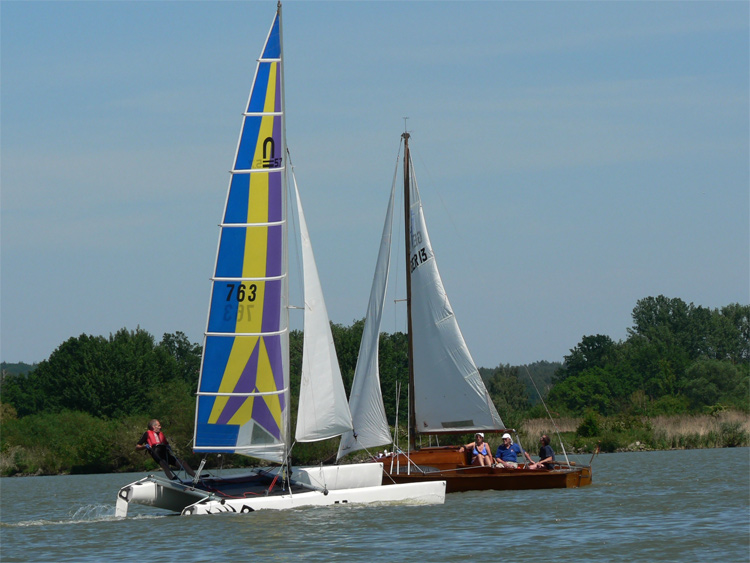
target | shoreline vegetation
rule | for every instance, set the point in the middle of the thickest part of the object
(681, 379)
(727, 429)
(108, 447)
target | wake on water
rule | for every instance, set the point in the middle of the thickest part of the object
(85, 514)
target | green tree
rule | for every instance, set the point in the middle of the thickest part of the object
(394, 374)
(186, 354)
(591, 352)
(731, 332)
(347, 340)
(509, 394)
(587, 390)
(711, 382)
(105, 377)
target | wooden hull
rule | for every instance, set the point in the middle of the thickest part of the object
(449, 465)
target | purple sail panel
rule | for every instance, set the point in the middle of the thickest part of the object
(273, 349)
(232, 406)
(271, 307)
(273, 257)
(262, 415)
(275, 197)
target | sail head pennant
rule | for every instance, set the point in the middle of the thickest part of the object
(243, 392)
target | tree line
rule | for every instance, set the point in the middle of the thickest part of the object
(88, 403)
(677, 358)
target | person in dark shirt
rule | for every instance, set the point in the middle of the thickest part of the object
(157, 445)
(546, 455)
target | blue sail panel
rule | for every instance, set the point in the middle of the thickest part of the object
(272, 49)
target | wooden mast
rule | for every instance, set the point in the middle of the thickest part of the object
(407, 233)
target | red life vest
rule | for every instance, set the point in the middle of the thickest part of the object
(155, 439)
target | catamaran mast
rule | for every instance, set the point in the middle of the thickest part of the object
(407, 232)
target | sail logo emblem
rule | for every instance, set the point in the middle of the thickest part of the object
(269, 160)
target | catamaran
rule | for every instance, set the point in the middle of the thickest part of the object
(244, 404)
(446, 392)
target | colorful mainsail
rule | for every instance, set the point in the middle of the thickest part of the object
(243, 392)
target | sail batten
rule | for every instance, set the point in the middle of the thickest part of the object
(260, 170)
(208, 394)
(241, 225)
(260, 113)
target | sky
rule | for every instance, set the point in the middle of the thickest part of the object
(572, 157)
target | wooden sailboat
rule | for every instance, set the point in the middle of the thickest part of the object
(244, 402)
(446, 392)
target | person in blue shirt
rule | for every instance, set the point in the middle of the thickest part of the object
(507, 453)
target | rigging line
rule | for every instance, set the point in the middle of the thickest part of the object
(286, 467)
(395, 427)
(396, 450)
(520, 445)
(557, 430)
(399, 237)
(293, 220)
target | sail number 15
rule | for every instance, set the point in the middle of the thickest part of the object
(243, 293)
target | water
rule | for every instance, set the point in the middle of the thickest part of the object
(681, 506)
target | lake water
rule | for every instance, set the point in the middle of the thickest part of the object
(682, 506)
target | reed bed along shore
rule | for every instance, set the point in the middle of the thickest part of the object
(632, 433)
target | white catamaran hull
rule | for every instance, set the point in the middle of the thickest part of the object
(341, 484)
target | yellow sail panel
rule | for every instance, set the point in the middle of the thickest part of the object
(264, 383)
(257, 211)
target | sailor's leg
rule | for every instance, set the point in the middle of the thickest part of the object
(173, 460)
(163, 464)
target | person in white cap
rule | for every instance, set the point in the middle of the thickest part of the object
(480, 451)
(507, 453)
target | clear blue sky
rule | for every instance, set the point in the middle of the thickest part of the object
(573, 158)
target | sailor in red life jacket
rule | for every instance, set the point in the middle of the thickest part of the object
(157, 445)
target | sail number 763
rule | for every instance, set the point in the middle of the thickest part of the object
(243, 293)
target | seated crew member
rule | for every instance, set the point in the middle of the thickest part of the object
(480, 451)
(157, 445)
(507, 453)
(546, 455)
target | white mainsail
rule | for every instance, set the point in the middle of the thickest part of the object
(366, 400)
(323, 411)
(449, 394)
